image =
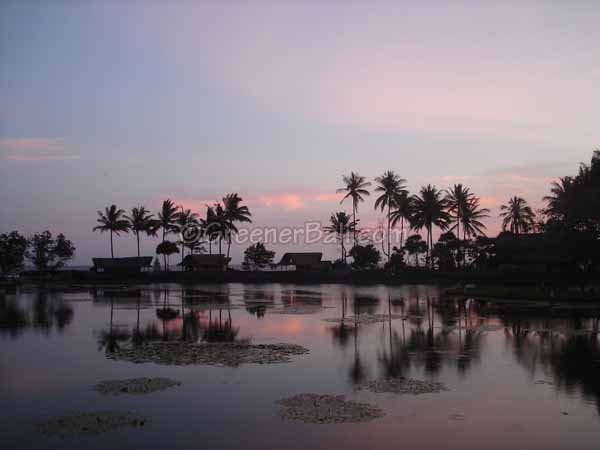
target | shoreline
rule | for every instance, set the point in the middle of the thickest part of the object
(549, 280)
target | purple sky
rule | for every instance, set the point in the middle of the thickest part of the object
(131, 102)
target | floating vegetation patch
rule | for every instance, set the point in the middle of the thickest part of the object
(135, 386)
(364, 319)
(216, 354)
(87, 424)
(324, 409)
(403, 385)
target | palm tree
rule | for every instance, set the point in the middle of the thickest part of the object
(141, 221)
(166, 221)
(471, 219)
(392, 188)
(182, 219)
(356, 189)
(471, 222)
(234, 212)
(562, 199)
(220, 224)
(341, 224)
(402, 212)
(210, 227)
(517, 215)
(429, 209)
(457, 199)
(112, 220)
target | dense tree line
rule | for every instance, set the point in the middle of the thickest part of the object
(42, 250)
(216, 227)
(564, 235)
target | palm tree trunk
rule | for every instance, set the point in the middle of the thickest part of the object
(137, 235)
(354, 220)
(220, 251)
(429, 242)
(228, 248)
(464, 248)
(164, 254)
(343, 250)
(401, 232)
(112, 254)
(182, 254)
(388, 233)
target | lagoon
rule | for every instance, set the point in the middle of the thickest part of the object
(515, 379)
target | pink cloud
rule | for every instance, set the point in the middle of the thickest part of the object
(35, 149)
(289, 201)
(28, 143)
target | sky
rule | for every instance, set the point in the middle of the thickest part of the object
(131, 102)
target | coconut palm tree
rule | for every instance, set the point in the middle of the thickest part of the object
(402, 212)
(391, 187)
(471, 219)
(457, 200)
(183, 218)
(210, 227)
(234, 212)
(429, 209)
(341, 224)
(112, 220)
(220, 225)
(356, 189)
(562, 200)
(141, 221)
(166, 220)
(517, 215)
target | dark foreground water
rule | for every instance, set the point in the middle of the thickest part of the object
(517, 380)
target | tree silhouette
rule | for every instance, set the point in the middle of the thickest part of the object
(356, 189)
(234, 212)
(517, 216)
(141, 221)
(167, 248)
(341, 224)
(46, 252)
(183, 218)
(13, 247)
(114, 221)
(392, 188)
(166, 219)
(429, 209)
(415, 246)
(402, 212)
(257, 256)
(458, 198)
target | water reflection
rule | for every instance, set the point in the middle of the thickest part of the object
(423, 334)
(43, 312)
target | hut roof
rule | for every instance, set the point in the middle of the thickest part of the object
(301, 259)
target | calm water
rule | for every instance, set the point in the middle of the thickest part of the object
(53, 349)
